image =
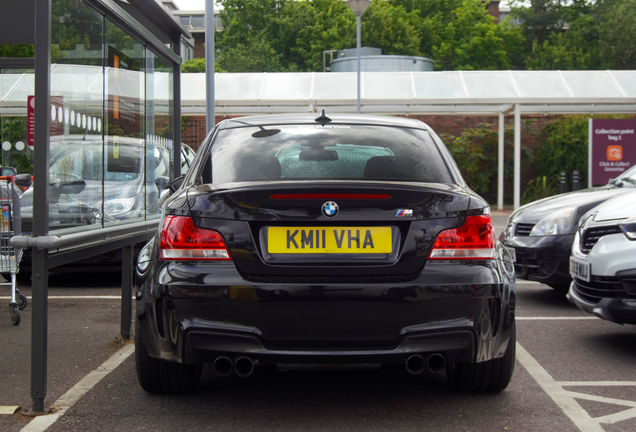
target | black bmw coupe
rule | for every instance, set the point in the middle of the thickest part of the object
(338, 239)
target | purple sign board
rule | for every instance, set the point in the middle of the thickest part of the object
(612, 149)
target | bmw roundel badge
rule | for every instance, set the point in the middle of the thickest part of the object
(330, 209)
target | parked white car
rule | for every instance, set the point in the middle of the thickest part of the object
(603, 261)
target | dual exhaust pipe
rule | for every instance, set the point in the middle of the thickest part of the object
(242, 366)
(416, 364)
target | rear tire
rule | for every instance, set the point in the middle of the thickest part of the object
(486, 377)
(160, 376)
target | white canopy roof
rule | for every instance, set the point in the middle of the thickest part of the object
(457, 92)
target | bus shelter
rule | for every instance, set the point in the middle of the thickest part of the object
(96, 84)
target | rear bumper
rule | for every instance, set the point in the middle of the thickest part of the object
(203, 341)
(193, 313)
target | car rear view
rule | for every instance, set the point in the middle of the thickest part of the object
(296, 239)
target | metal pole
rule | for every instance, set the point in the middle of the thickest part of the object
(500, 183)
(176, 109)
(358, 35)
(40, 270)
(127, 266)
(517, 197)
(209, 65)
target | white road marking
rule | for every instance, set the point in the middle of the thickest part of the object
(104, 297)
(566, 399)
(547, 318)
(66, 401)
(561, 397)
(597, 383)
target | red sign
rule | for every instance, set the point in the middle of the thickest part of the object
(612, 148)
(30, 119)
(58, 117)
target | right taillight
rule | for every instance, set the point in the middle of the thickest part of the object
(474, 240)
(182, 240)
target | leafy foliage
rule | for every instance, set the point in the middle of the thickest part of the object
(541, 187)
(476, 154)
(565, 147)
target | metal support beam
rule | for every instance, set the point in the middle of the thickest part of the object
(500, 160)
(176, 109)
(40, 280)
(127, 266)
(209, 65)
(517, 194)
(358, 36)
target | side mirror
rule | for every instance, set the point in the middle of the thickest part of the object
(24, 180)
(176, 184)
(8, 171)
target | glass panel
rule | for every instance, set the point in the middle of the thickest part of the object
(159, 127)
(124, 147)
(77, 117)
(185, 20)
(15, 151)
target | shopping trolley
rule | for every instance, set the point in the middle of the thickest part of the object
(10, 225)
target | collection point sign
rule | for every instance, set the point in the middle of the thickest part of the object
(612, 149)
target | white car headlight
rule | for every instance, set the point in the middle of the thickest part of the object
(556, 223)
(628, 226)
(118, 206)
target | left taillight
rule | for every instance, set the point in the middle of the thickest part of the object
(182, 240)
(474, 240)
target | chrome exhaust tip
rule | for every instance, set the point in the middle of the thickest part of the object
(244, 366)
(415, 364)
(222, 366)
(436, 363)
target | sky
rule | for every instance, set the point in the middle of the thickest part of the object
(200, 4)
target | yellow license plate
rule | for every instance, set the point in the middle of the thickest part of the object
(348, 240)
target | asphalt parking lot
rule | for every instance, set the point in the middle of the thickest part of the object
(574, 372)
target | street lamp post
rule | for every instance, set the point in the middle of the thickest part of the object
(358, 7)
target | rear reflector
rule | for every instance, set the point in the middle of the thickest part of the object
(181, 239)
(474, 240)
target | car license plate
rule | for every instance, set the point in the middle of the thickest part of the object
(580, 269)
(345, 240)
(513, 254)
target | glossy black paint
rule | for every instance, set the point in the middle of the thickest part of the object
(334, 309)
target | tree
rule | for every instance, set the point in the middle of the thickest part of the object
(281, 35)
(574, 49)
(617, 34)
(197, 65)
(470, 40)
(557, 33)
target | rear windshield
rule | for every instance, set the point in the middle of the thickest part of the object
(313, 152)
